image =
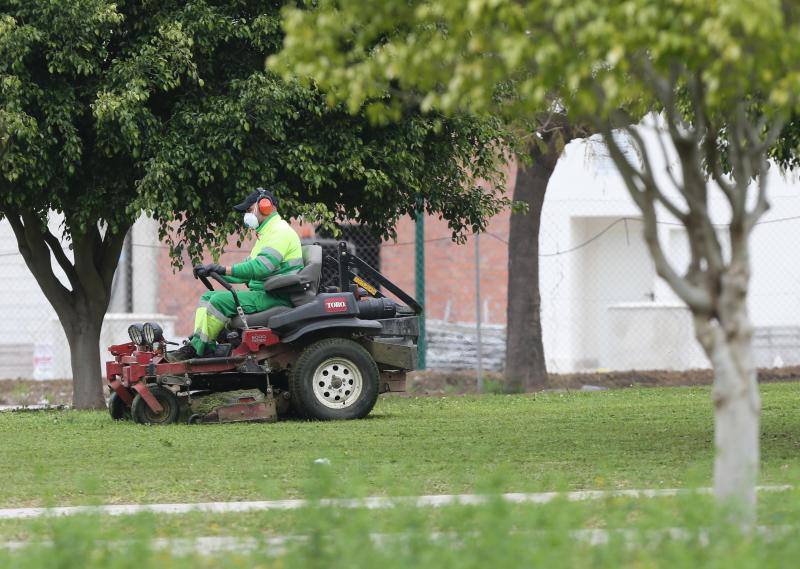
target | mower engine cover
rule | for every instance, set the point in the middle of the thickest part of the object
(326, 311)
(324, 305)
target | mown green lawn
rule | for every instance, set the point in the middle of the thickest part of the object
(613, 439)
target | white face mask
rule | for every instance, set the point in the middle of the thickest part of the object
(250, 220)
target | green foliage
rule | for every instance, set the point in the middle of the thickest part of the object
(786, 150)
(628, 438)
(516, 58)
(109, 108)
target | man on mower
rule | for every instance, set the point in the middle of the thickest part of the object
(277, 251)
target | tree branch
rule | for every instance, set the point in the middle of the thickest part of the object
(696, 194)
(648, 179)
(665, 92)
(666, 156)
(714, 163)
(36, 254)
(709, 139)
(62, 259)
(85, 247)
(762, 203)
(112, 247)
(687, 139)
(694, 296)
(741, 159)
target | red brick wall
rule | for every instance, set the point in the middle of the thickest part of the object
(449, 272)
(450, 269)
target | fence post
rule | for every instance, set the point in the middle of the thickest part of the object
(419, 273)
(478, 342)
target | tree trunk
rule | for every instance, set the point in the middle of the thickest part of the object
(80, 309)
(525, 361)
(84, 351)
(737, 403)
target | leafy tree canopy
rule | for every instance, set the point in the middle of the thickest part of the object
(110, 108)
(591, 57)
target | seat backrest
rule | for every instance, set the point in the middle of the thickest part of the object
(309, 275)
(302, 286)
(312, 271)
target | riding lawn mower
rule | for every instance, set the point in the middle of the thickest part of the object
(326, 357)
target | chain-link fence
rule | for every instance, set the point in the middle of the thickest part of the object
(146, 288)
(602, 305)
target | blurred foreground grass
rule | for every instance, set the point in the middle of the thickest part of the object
(686, 531)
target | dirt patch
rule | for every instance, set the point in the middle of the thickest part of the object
(464, 381)
(435, 382)
(30, 392)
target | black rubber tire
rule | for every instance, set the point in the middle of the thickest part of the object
(142, 414)
(117, 408)
(302, 375)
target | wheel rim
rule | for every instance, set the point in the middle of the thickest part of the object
(337, 383)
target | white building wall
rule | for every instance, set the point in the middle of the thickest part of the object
(597, 278)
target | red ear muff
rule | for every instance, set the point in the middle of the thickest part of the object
(265, 206)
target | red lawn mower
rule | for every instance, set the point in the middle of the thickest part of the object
(327, 357)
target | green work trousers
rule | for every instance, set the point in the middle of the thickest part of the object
(217, 308)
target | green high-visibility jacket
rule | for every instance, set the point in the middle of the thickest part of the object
(276, 252)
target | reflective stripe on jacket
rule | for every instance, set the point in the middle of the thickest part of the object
(276, 252)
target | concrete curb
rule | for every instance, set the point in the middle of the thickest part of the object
(372, 503)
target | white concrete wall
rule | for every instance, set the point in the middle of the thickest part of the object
(618, 270)
(24, 309)
(144, 252)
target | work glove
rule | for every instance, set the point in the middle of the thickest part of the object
(204, 270)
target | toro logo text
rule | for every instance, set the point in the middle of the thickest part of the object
(338, 304)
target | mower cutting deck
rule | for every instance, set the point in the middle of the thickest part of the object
(328, 357)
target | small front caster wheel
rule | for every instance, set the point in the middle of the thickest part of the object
(143, 415)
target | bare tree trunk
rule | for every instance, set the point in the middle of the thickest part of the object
(737, 426)
(737, 403)
(526, 368)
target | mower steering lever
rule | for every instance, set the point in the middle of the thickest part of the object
(225, 284)
(229, 287)
(205, 282)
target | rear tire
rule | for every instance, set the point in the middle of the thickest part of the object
(117, 408)
(143, 415)
(334, 379)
